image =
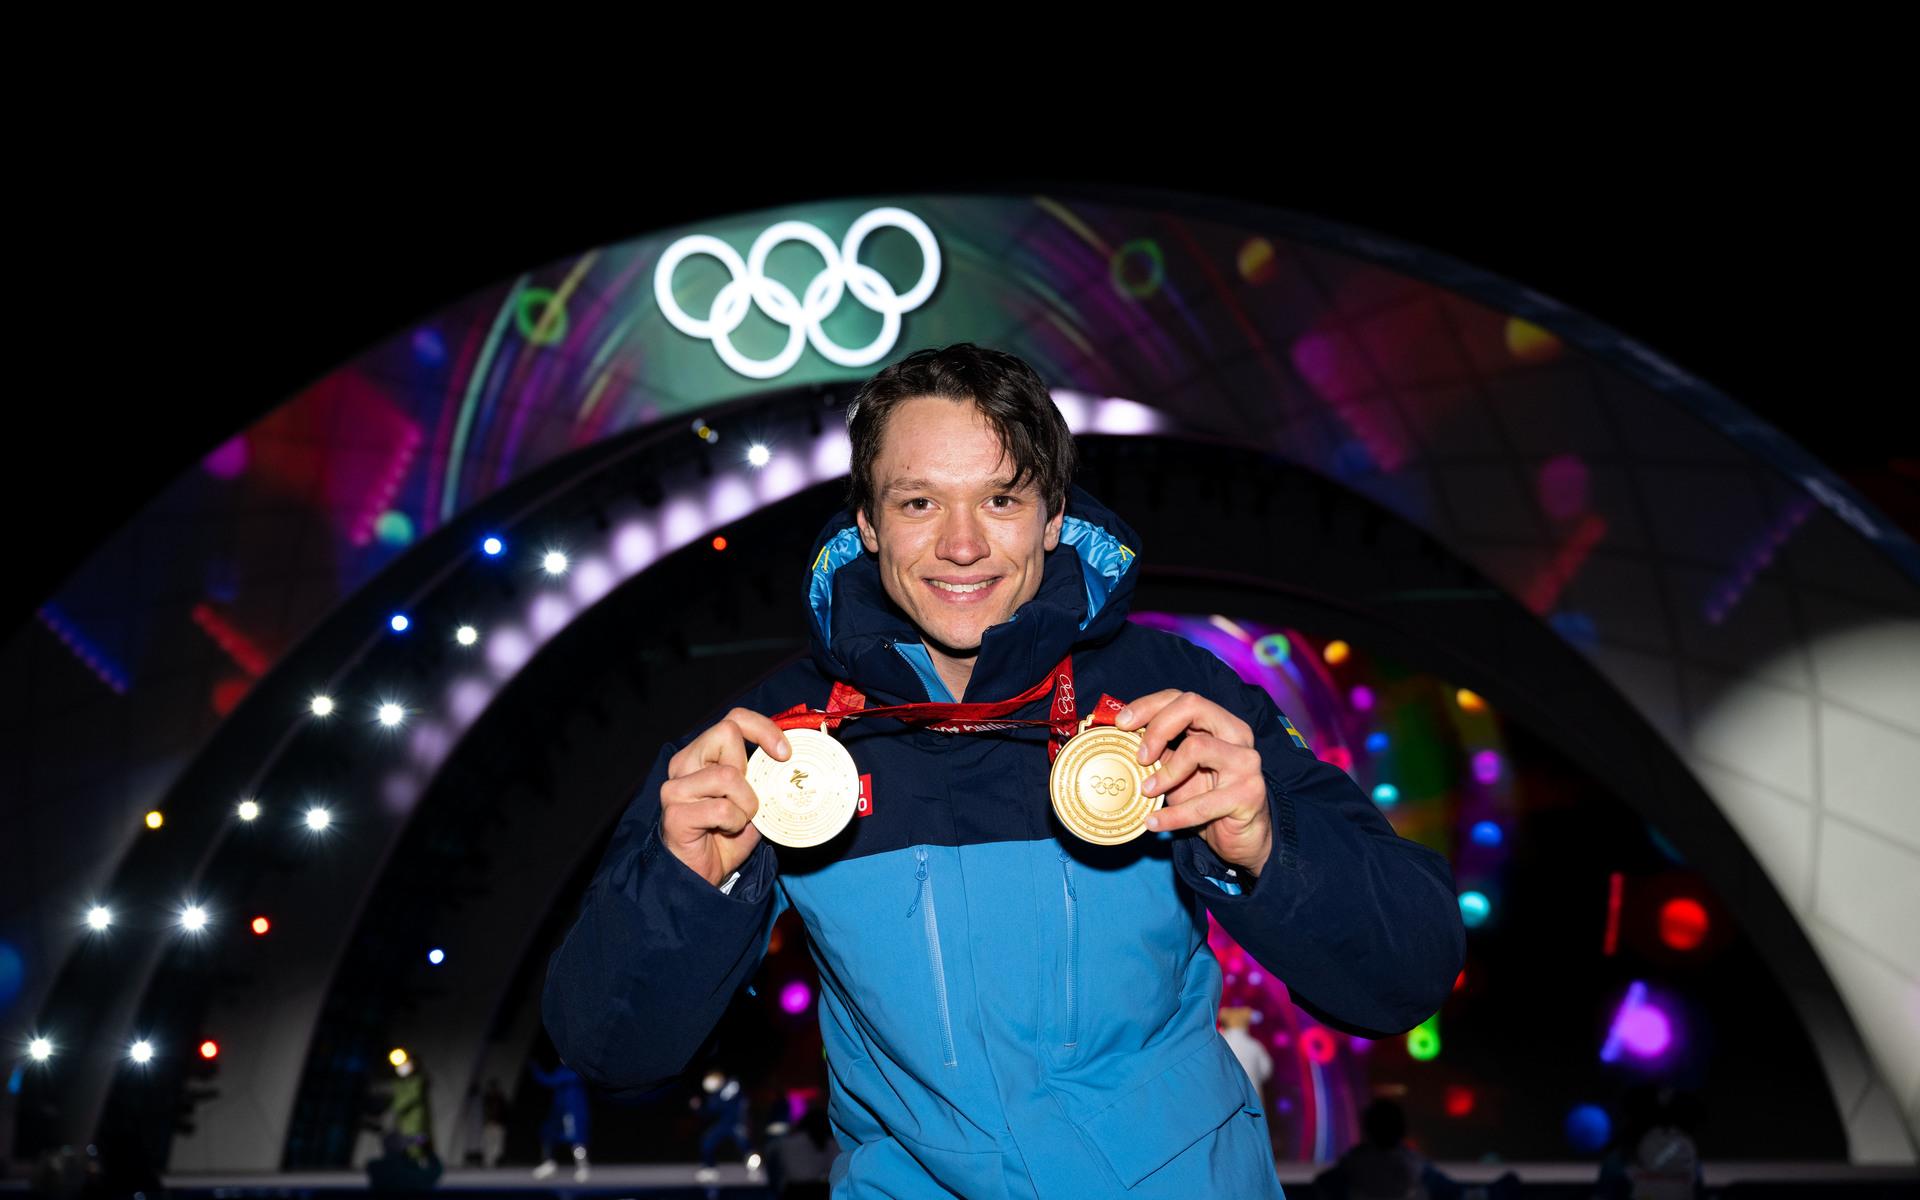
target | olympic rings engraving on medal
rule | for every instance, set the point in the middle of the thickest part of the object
(748, 286)
(1106, 785)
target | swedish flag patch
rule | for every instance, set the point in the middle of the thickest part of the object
(1286, 723)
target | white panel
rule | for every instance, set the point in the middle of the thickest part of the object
(1752, 728)
(1866, 659)
(1869, 888)
(1886, 1007)
(1870, 773)
(1777, 829)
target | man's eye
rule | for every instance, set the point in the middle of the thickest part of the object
(1010, 500)
(914, 501)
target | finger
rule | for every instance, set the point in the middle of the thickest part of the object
(761, 731)
(719, 814)
(1190, 711)
(715, 781)
(1210, 806)
(1195, 753)
(1142, 710)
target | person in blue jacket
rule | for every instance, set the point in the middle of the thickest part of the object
(566, 1123)
(1007, 1010)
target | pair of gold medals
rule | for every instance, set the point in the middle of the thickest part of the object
(1097, 775)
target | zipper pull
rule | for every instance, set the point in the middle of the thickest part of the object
(1066, 868)
(920, 874)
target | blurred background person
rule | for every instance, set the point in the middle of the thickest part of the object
(566, 1123)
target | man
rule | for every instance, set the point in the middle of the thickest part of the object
(1007, 1010)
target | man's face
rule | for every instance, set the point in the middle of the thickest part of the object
(958, 550)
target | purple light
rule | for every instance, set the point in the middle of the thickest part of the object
(1362, 697)
(1641, 1028)
(795, 997)
(228, 459)
(1562, 487)
(1486, 765)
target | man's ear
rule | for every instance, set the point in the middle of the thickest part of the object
(868, 537)
(1053, 528)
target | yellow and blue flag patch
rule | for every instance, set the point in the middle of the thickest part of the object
(1286, 723)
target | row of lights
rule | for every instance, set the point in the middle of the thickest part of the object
(141, 1052)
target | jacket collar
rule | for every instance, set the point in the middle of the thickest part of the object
(859, 635)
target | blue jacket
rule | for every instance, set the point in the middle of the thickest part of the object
(1009, 1011)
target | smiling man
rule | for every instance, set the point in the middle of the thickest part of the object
(1008, 1010)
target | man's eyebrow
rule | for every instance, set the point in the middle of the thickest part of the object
(922, 485)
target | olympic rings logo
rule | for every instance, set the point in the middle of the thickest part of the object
(1107, 785)
(748, 285)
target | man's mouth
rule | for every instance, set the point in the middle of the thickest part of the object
(970, 591)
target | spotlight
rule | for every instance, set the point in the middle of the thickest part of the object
(193, 918)
(248, 810)
(391, 714)
(318, 819)
(399, 622)
(397, 1057)
(493, 546)
(719, 543)
(155, 820)
(555, 562)
(261, 925)
(322, 705)
(758, 455)
(98, 917)
(41, 1049)
(141, 1052)
(209, 1049)
(467, 635)
(436, 956)
(753, 1162)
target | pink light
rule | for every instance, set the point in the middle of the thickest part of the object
(1562, 487)
(1486, 766)
(1640, 1027)
(1362, 698)
(1339, 756)
(795, 997)
(228, 459)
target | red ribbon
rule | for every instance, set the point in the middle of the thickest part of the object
(845, 703)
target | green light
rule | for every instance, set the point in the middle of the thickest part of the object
(1272, 650)
(1423, 1040)
(1148, 250)
(546, 326)
(394, 528)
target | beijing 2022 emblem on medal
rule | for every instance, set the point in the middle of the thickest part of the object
(1096, 785)
(809, 798)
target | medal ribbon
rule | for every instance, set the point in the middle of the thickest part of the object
(845, 703)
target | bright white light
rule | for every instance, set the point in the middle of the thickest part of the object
(467, 635)
(492, 545)
(759, 455)
(193, 919)
(322, 705)
(391, 714)
(318, 819)
(400, 622)
(555, 562)
(753, 1162)
(99, 917)
(141, 1052)
(248, 810)
(41, 1049)
(436, 956)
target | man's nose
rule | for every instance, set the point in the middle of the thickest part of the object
(962, 540)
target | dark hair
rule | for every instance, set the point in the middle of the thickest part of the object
(1008, 393)
(1384, 1123)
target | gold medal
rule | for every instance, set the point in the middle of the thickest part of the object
(1096, 785)
(809, 798)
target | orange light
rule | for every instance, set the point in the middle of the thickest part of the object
(1469, 701)
(209, 1049)
(1336, 652)
(155, 820)
(261, 925)
(719, 543)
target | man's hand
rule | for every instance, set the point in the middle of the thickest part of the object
(706, 807)
(1212, 780)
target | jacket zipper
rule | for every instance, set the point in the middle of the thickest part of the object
(933, 685)
(1073, 951)
(925, 893)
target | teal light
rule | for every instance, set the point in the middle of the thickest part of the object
(1385, 795)
(1474, 908)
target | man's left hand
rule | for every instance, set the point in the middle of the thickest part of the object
(1212, 780)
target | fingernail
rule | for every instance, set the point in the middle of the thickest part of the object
(1125, 717)
(784, 748)
(1153, 822)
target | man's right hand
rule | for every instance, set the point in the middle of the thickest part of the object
(706, 807)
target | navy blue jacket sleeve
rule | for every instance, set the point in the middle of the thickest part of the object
(1361, 924)
(656, 953)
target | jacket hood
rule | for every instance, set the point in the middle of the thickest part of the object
(859, 635)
